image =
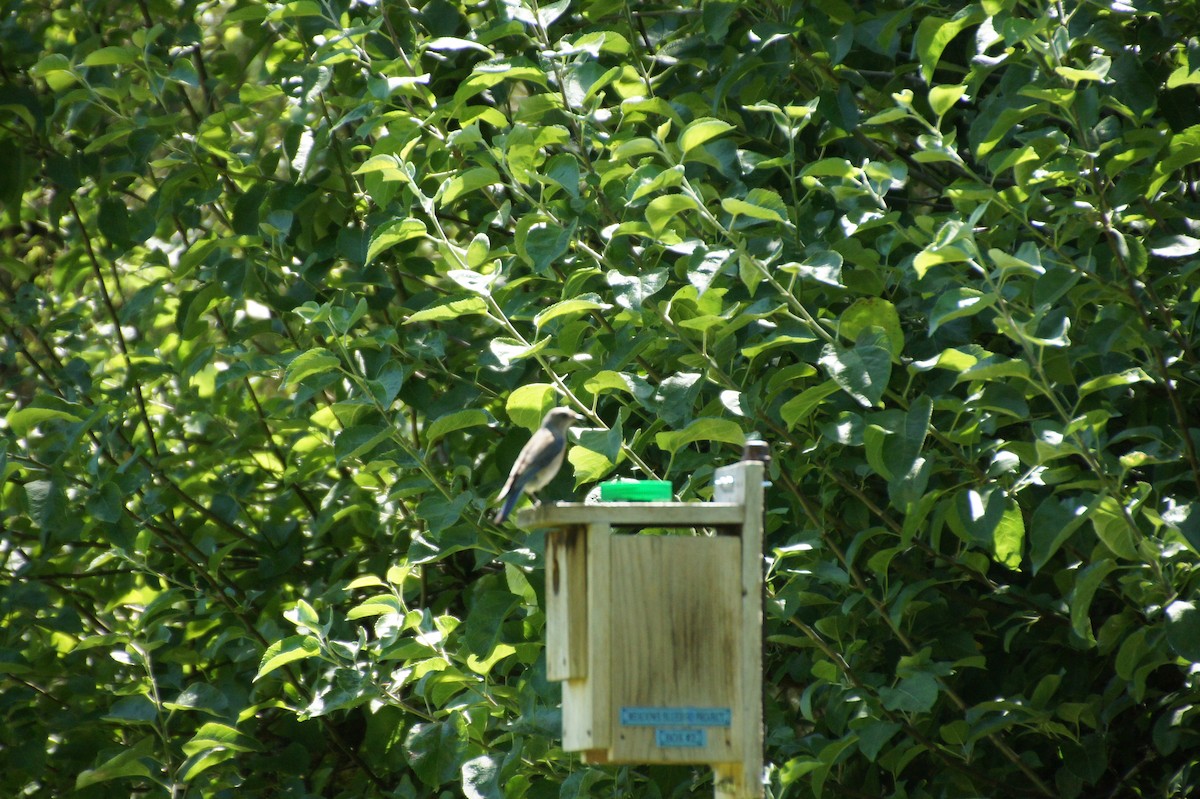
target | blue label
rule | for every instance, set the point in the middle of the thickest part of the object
(676, 717)
(681, 736)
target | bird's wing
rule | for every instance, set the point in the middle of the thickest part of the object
(540, 452)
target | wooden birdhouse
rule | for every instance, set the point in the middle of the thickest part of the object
(657, 639)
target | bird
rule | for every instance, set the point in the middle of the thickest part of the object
(539, 461)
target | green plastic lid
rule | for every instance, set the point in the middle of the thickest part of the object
(636, 491)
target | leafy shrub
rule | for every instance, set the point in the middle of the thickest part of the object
(285, 284)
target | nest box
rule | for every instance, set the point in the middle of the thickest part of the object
(657, 639)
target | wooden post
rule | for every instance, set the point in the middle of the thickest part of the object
(566, 603)
(743, 484)
(657, 640)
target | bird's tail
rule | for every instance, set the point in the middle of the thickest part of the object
(510, 502)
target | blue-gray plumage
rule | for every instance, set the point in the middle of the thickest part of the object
(539, 461)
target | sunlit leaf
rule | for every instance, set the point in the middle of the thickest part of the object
(286, 650)
(313, 362)
(450, 309)
(701, 131)
(706, 429)
(394, 233)
(452, 422)
(661, 209)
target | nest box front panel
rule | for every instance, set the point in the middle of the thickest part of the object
(675, 633)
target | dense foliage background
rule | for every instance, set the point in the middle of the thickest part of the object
(284, 285)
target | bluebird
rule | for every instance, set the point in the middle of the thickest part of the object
(539, 461)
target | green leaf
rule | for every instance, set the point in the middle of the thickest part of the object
(438, 514)
(914, 694)
(490, 610)
(449, 309)
(385, 164)
(572, 307)
(304, 615)
(873, 312)
(295, 9)
(356, 441)
(452, 422)
(484, 665)
(978, 511)
(195, 255)
(805, 403)
(528, 404)
(126, 763)
(605, 41)
(875, 440)
(1009, 537)
(607, 380)
(653, 179)
(563, 170)
(1183, 629)
(935, 33)
(784, 340)
(106, 56)
(675, 396)
(956, 304)
(907, 487)
(1006, 121)
(1117, 380)
(703, 429)
(933, 255)
(901, 454)
(381, 605)
(1111, 526)
(994, 367)
(1053, 522)
(631, 291)
(203, 760)
(597, 452)
(312, 362)
(108, 504)
(214, 735)
(393, 233)
(508, 351)
(943, 98)
(288, 650)
(862, 371)
(824, 267)
(26, 419)
(874, 735)
(436, 750)
(541, 242)
(463, 184)
(1087, 582)
(1097, 70)
(481, 775)
(199, 696)
(136, 709)
(495, 71)
(474, 282)
(56, 70)
(830, 168)
(700, 131)
(759, 204)
(661, 210)
(1184, 518)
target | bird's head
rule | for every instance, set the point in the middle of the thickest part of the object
(559, 419)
